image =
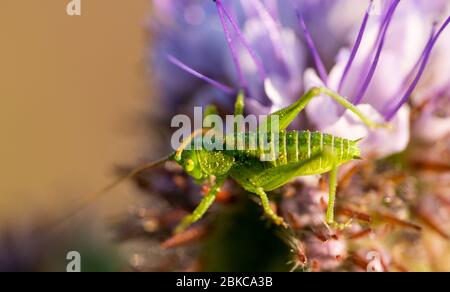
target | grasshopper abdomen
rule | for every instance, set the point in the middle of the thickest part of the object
(298, 146)
(301, 146)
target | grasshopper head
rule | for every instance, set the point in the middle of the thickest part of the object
(189, 162)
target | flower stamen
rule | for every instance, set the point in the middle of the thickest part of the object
(312, 47)
(381, 40)
(391, 114)
(253, 55)
(234, 54)
(225, 88)
(355, 46)
(273, 31)
(410, 76)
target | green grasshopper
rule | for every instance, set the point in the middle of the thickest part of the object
(301, 153)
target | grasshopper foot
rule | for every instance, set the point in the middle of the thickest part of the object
(387, 126)
(187, 221)
(339, 226)
(279, 221)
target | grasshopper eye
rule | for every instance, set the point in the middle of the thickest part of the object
(190, 165)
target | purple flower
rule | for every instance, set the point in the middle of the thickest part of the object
(389, 49)
(372, 52)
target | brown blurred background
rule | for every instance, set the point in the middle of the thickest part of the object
(70, 90)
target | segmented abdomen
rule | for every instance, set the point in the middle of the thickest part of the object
(299, 146)
(295, 146)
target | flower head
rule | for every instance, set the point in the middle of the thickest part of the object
(388, 57)
(376, 74)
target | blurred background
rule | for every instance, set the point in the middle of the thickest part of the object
(70, 91)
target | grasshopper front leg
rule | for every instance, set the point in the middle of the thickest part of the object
(330, 220)
(332, 195)
(239, 105)
(201, 209)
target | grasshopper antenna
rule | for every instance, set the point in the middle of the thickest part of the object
(186, 142)
(103, 191)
